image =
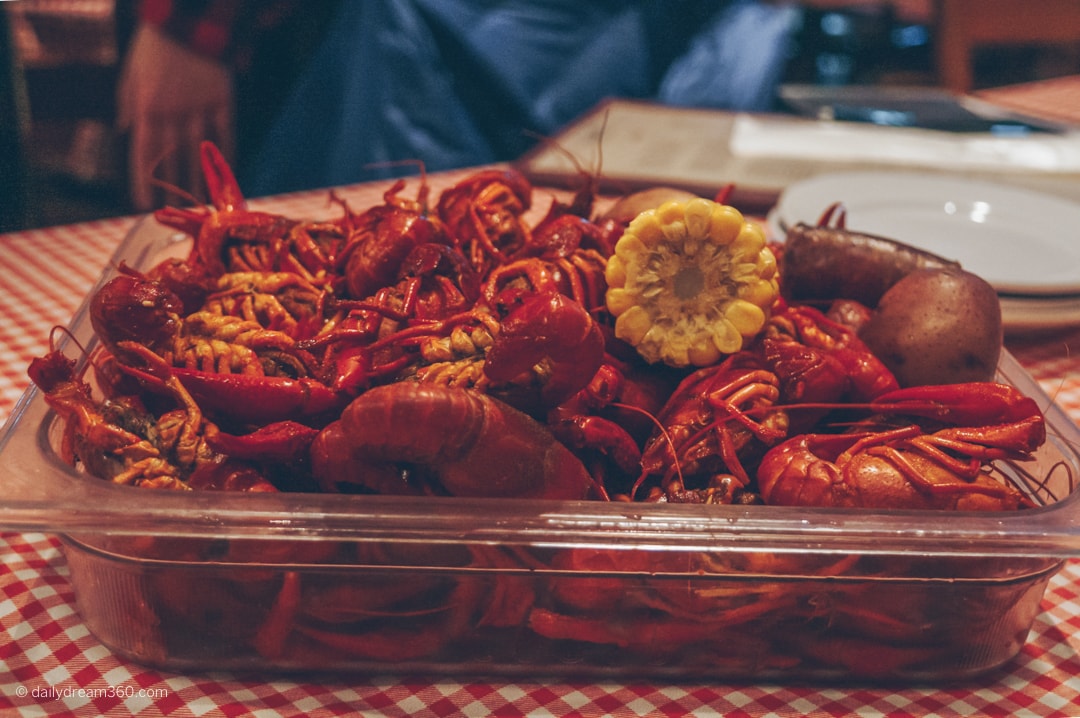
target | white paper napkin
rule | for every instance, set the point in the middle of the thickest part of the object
(781, 137)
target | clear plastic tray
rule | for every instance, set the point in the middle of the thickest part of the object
(213, 580)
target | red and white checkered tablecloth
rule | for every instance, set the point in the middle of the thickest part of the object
(51, 665)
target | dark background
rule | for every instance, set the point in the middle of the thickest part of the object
(67, 64)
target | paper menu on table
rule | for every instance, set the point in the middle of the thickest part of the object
(623, 140)
(632, 144)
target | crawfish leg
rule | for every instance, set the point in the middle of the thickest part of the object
(270, 639)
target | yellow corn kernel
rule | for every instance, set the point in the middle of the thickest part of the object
(646, 228)
(725, 224)
(748, 319)
(632, 324)
(615, 271)
(766, 265)
(618, 300)
(760, 292)
(726, 337)
(690, 281)
(749, 242)
(698, 214)
(704, 351)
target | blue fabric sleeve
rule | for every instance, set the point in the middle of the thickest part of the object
(736, 61)
(454, 83)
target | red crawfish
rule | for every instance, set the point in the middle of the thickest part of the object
(534, 358)
(578, 275)
(719, 420)
(419, 439)
(119, 440)
(608, 421)
(232, 366)
(381, 238)
(485, 214)
(229, 225)
(356, 344)
(904, 464)
(818, 361)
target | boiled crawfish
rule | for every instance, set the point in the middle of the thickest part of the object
(229, 230)
(357, 343)
(936, 457)
(608, 421)
(717, 421)
(538, 355)
(230, 364)
(381, 238)
(485, 213)
(578, 275)
(821, 360)
(121, 441)
(552, 341)
(472, 445)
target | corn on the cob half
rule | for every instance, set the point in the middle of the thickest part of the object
(690, 282)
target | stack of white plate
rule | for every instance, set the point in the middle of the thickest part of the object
(1024, 243)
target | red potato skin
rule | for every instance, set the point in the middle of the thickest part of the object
(937, 326)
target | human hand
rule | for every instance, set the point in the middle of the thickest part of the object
(169, 100)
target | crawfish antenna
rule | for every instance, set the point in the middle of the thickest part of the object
(667, 440)
(581, 204)
(58, 329)
(62, 330)
(169, 187)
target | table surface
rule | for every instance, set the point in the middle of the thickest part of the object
(50, 664)
(761, 153)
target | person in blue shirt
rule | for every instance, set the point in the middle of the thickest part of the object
(455, 83)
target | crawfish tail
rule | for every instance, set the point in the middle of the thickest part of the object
(473, 443)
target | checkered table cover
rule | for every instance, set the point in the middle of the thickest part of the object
(50, 664)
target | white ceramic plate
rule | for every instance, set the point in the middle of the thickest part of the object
(1024, 315)
(1022, 242)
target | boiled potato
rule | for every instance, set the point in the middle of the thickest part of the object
(937, 326)
(631, 205)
